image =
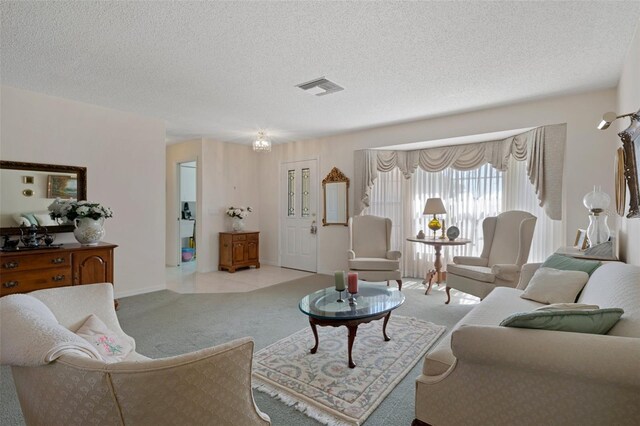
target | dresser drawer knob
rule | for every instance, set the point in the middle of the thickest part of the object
(10, 284)
(57, 278)
(10, 265)
(57, 260)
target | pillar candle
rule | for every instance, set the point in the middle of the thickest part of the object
(353, 282)
(339, 277)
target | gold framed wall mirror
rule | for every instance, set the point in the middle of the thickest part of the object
(27, 190)
(631, 145)
(335, 190)
(631, 159)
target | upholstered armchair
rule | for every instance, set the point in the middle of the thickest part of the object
(58, 383)
(370, 253)
(507, 241)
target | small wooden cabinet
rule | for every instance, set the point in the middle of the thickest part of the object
(239, 250)
(23, 271)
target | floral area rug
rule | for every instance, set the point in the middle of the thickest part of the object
(323, 386)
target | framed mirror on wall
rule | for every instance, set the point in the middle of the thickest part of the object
(631, 145)
(27, 190)
(335, 189)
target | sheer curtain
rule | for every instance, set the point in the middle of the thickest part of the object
(520, 195)
(469, 196)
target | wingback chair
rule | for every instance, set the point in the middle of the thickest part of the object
(370, 253)
(208, 386)
(507, 241)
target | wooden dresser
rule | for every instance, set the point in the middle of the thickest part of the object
(71, 264)
(239, 250)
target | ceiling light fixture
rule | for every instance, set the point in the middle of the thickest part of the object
(261, 144)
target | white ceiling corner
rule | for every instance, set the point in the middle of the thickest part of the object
(225, 70)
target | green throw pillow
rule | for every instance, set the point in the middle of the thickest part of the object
(566, 263)
(597, 321)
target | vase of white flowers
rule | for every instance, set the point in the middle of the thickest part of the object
(238, 214)
(87, 217)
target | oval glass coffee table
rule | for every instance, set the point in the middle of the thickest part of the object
(372, 302)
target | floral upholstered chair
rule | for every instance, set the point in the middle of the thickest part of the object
(507, 241)
(370, 253)
(62, 378)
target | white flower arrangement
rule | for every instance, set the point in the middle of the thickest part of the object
(69, 210)
(239, 212)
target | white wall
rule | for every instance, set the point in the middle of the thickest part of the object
(629, 101)
(124, 155)
(588, 160)
(226, 176)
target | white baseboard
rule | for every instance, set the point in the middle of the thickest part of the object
(135, 292)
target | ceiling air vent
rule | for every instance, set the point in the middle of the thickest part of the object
(320, 86)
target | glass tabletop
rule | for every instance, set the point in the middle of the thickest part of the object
(371, 300)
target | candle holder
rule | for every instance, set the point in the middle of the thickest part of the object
(352, 299)
(339, 296)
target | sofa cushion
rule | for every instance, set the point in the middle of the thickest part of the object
(566, 263)
(479, 273)
(616, 285)
(550, 285)
(374, 264)
(593, 321)
(499, 304)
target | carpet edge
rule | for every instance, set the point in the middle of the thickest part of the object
(303, 405)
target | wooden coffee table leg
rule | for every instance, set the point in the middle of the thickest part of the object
(384, 327)
(353, 329)
(315, 335)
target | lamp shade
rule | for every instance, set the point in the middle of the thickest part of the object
(434, 206)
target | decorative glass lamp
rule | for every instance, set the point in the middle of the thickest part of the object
(597, 202)
(434, 206)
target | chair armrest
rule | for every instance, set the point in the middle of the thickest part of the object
(352, 254)
(471, 261)
(581, 355)
(209, 384)
(528, 269)
(394, 255)
(507, 272)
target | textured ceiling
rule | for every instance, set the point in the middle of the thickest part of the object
(227, 69)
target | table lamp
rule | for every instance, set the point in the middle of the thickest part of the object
(434, 206)
(597, 202)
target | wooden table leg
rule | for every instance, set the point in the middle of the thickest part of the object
(384, 327)
(438, 263)
(315, 334)
(353, 329)
(428, 280)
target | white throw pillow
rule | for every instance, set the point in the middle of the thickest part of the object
(44, 219)
(110, 346)
(550, 285)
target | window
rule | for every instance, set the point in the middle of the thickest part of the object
(469, 196)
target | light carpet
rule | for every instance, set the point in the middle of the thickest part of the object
(322, 386)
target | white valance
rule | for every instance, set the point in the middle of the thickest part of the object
(542, 148)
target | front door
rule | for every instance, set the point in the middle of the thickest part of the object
(299, 189)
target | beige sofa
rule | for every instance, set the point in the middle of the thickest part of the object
(211, 386)
(483, 374)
